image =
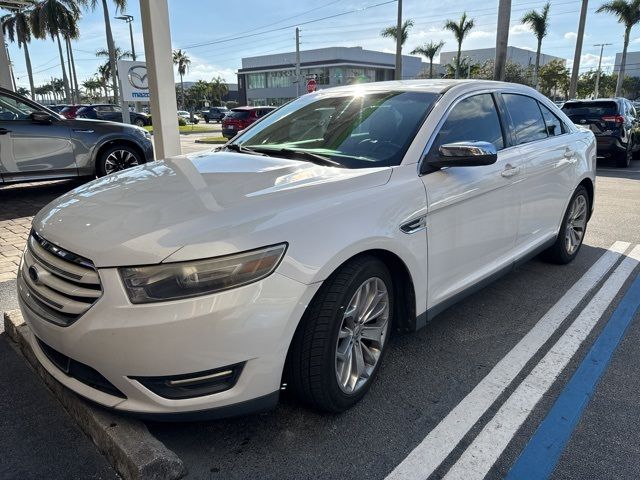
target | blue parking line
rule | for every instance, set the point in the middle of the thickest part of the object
(540, 456)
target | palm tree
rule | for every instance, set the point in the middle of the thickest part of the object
(539, 23)
(120, 6)
(429, 50)
(103, 76)
(218, 88)
(460, 30)
(17, 27)
(72, 33)
(54, 18)
(628, 13)
(391, 32)
(182, 60)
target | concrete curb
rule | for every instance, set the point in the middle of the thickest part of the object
(126, 443)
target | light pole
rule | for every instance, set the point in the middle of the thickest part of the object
(129, 20)
(601, 45)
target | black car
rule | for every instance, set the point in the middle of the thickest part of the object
(215, 114)
(112, 113)
(613, 121)
(39, 144)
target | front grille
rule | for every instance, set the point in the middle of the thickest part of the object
(59, 286)
(81, 372)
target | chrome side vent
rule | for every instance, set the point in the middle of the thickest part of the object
(415, 225)
(56, 284)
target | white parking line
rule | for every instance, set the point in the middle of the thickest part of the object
(441, 441)
(480, 456)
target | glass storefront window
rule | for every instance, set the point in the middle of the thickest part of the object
(256, 80)
(280, 79)
(320, 74)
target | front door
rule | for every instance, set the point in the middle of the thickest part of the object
(473, 212)
(29, 149)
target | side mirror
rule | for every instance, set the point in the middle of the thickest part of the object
(465, 154)
(41, 117)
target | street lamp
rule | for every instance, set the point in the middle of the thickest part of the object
(129, 20)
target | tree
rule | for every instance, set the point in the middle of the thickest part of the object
(17, 27)
(120, 6)
(218, 88)
(182, 60)
(53, 18)
(502, 39)
(103, 77)
(473, 70)
(460, 30)
(587, 84)
(429, 50)
(513, 72)
(554, 76)
(539, 23)
(628, 13)
(391, 32)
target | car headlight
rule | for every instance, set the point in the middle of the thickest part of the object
(173, 281)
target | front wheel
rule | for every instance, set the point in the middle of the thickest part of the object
(573, 229)
(138, 122)
(116, 158)
(339, 345)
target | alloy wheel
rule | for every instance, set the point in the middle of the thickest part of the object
(362, 335)
(576, 224)
(119, 160)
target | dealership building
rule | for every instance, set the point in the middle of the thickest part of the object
(271, 79)
(519, 56)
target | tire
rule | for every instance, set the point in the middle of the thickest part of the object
(313, 366)
(206, 120)
(138, 122)
(121, 158)
(623, 159)
(560, 252)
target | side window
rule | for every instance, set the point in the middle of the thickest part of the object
(472, 119)
(14, 109)
(527, 119)
(553, 124)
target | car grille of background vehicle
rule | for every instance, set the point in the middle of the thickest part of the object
(57, 285)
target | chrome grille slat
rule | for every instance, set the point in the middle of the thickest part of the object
(58, 284)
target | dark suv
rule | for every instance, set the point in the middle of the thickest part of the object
(241, 117)
(613, 121)
(38, 144)
(112, 113)
(215, 114)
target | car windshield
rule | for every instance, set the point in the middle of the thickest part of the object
(353, 130)
(590, 109)
(239, 114)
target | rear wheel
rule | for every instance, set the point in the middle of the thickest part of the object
(574, 226)
(116, 158)
(341, 341)
(138, 122)
(623, 159)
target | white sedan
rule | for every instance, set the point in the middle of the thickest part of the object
(196, 286)
(187, 116)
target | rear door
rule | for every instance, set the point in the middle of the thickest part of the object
(547, 156)
(474, 212)
(29, 149)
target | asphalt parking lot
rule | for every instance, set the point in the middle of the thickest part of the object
(504, 384)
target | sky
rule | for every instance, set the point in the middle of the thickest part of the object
(217, 34)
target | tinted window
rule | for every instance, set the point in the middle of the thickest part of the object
(239, 114)
(554, 124)
(14, 109)
(356, 130)
(471, 120)
(527, 119)
(590, 109)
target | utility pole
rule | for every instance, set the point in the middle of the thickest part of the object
(601, 45)
(399, 43)
(14, 86)
(575, 70)
(502, 39)
(297, 62)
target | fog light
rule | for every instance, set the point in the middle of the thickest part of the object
(193, 385)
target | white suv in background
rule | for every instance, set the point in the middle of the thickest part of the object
(197, 285)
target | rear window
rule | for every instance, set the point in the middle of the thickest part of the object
(83, 109)
(239, 114)
(67, 109)
(590, 109)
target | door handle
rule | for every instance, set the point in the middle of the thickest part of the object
(4, 131)
(510, 171)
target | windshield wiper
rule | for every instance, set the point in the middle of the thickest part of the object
(310, 157)
(234, 147)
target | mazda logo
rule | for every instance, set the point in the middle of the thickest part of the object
(33, 274)
(138, 77)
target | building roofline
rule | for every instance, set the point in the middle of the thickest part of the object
(319, 63)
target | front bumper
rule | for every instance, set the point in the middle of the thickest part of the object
(251, 325)
(229, 132)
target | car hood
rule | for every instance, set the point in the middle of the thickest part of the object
(101, 125)
(212, 203)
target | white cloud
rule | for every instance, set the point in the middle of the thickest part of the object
(590, 60)
(481, 34)
(571, 35)
(519, 29)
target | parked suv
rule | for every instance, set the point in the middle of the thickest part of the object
(38, 144)
(215, 114)
(112, 113)
(207, 281)
(613, 121)
(241, 117)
